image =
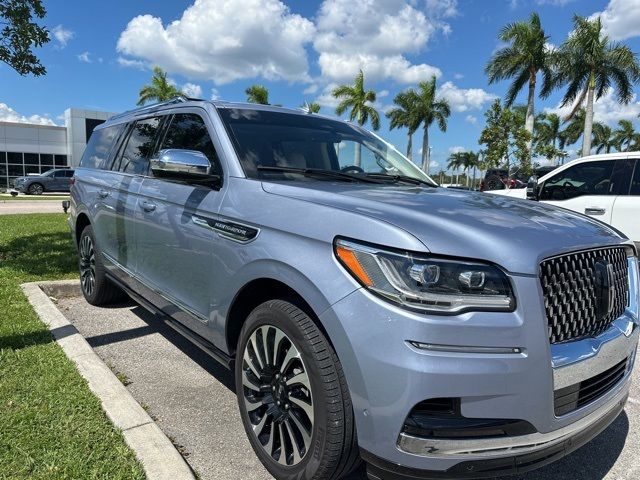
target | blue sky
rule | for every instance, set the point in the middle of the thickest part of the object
(101, 52)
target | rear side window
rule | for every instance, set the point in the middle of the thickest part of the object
(588, 178)
(96, 154)
(140, 146)
(635, 182)
(188, 131)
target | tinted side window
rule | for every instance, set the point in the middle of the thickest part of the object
(589, 178)
(188, 131)
(621, 176)
(96, 154)
(140, 146)
(59, 174)
(635, 182)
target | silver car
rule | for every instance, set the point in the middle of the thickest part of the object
(54, 180)
(370, 316)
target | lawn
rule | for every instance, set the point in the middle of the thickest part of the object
(51, 425)
(10, 198)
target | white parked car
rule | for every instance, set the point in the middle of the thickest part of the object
(606, 187)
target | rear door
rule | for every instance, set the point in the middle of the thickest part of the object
(585, 188)
(174, 243)
(626, 209)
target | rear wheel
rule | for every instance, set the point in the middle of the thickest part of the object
(35, 189)
(96, 287)
(293, 396)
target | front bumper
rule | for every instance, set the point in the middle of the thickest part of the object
(388, 376)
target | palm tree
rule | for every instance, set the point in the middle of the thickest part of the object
(405, 116)
(525, 56)
(430, 109)
(604, 138)
(588, 63)
(358, 100)
(625, 135)
(548, 130)
(257, 94)
(574, 129)
(159, 89)
(472, 160)
(311, 107)
(454, 162)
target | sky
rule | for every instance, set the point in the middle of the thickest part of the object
(101, 53)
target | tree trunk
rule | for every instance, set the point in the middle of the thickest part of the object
(473, 183)
(357, 155)
(529, 118)
(425, 150)
(410, 146)
(588, 119)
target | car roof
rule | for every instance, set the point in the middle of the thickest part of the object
(130, 115)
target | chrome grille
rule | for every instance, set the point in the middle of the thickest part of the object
(569, 287)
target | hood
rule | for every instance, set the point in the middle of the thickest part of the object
(516, 234)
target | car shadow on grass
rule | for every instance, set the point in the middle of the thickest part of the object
(32, 255)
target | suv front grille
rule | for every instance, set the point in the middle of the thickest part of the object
(570, 300)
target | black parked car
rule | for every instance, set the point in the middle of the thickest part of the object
(56, 180)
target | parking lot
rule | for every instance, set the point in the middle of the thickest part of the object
(192, 399)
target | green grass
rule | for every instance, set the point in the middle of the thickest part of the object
(51, 425)
(19, 198)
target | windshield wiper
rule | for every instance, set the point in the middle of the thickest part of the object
(401, 178)
(318, 172)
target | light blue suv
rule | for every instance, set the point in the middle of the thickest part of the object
(369, 315)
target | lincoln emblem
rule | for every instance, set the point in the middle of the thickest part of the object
(604, 288)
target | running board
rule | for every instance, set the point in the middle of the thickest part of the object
(200, 342)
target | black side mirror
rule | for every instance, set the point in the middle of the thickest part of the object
(184, 165)
(532, 188)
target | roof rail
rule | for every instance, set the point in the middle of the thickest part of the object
(177, 99)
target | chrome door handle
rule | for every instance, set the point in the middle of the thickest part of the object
(103, 193)
(594, 211)
(148, 206)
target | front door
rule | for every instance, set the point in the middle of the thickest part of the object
(174, 245)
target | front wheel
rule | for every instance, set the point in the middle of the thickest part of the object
(293, 396)
(35, 189)
(96, 287)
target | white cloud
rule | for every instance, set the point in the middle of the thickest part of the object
(458, 76)
(84, 57)
(215, 94)
(127, 62)
(192, 90)
(457, 149)
(463, 99)
(224, 40)
(471, 119)
(313, 88)
(62, 35)
(326, 99)
(8, 114)
(621, 19)
(383, 93)
(375, 36)
(606, 110)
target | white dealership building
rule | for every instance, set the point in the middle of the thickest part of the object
(27, 148)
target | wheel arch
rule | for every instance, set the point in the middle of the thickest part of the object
(258, 291)
(81, 223)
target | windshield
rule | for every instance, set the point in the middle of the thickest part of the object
(266, 141)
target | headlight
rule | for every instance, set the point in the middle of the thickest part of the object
(634, 284)
(429, 284)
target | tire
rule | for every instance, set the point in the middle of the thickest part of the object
(494, 182)
(35, 189)
(96, 287)
(327, 450)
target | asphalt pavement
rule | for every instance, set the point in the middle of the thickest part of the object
(192, 399)
(8, 206)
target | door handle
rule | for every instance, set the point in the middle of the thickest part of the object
(103, 193)
(594, 211)
(148, 206)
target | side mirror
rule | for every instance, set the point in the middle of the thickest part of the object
(532, 188)
(185, 165)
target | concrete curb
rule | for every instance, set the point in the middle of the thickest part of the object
(159, 458)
